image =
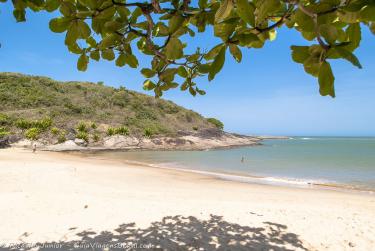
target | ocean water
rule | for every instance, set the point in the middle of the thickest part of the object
(328, 161)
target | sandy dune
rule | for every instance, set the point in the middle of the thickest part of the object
(61, 199)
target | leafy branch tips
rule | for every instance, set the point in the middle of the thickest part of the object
(111, 29)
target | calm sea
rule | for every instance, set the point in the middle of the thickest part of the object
(347, 162)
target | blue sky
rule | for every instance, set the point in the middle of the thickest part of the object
(265, 94)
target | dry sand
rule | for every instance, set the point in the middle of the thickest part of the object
(55, 197)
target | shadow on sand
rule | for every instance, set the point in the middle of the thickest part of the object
(182, 233)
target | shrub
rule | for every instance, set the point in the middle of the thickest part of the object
(3, 132)
(61, 138)
(123, 130)
(23, 124)
(216, 123)
(195, 128)
(111, 131)
(148, 132)
(4, 119)
(145, 114)
(42, 124)
(100, 83)
(83, 135)
(94, 126)
(96, 137)
(55, 131)
(32, 133)
(81, 127)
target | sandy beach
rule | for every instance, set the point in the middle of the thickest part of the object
(65, 199)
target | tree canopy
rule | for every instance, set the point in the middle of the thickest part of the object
(112, 29)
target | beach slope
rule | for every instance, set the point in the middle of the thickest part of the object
(64, 199)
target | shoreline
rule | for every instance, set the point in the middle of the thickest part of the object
(51, 197)
(234, 176)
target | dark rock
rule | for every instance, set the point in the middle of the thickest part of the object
(4, 142)
(70, 136)
(14, 138)
(210, 133)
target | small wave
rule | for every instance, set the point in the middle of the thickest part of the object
(306, 138)
(247, 178)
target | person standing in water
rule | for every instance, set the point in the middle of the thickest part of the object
(242, 159)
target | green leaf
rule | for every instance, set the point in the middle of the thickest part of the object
(372, 27)
(246, 39)
(68, 9)
(226, 7)
(121, 60)
(95, 55)
(266, 7)
(82, 62)
(368, 13)
(184, 86)
(312, 66)
(74, 48)
(204, 68)
(148, 85)
(109, 40)
(201, 92)
(168, 74)
(174, 49)
(329, 32)
(108, 54)
(326, 80)
(304, 21)
(348, 56)
(131, 60)
(172, 85)
(59, 24)
(213, 52)
(83, 29)
(217, 64)
(246, 11)
(192, 91)
(158, 92)
(91, 41)
(19, 15)
(107, 13)
(354, 36)
(92, 4)
(300, 53)
(52, 5)
(148, 73)
(225, 29)
(348, 17)
(175, 23)
(182, 72)
(113, 25)
(202, 4)
(72, 34)
(236, 52)
(272, 35)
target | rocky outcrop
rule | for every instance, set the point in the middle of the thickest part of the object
(4, 143)
(201, 140)
(120, 141)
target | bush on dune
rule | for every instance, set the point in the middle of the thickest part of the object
(32, 133)
(216, 123)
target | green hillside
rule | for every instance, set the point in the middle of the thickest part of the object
(39, 107)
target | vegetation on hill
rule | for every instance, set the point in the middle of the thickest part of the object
(39, 107)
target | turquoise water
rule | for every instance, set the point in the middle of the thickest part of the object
(339, 161)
